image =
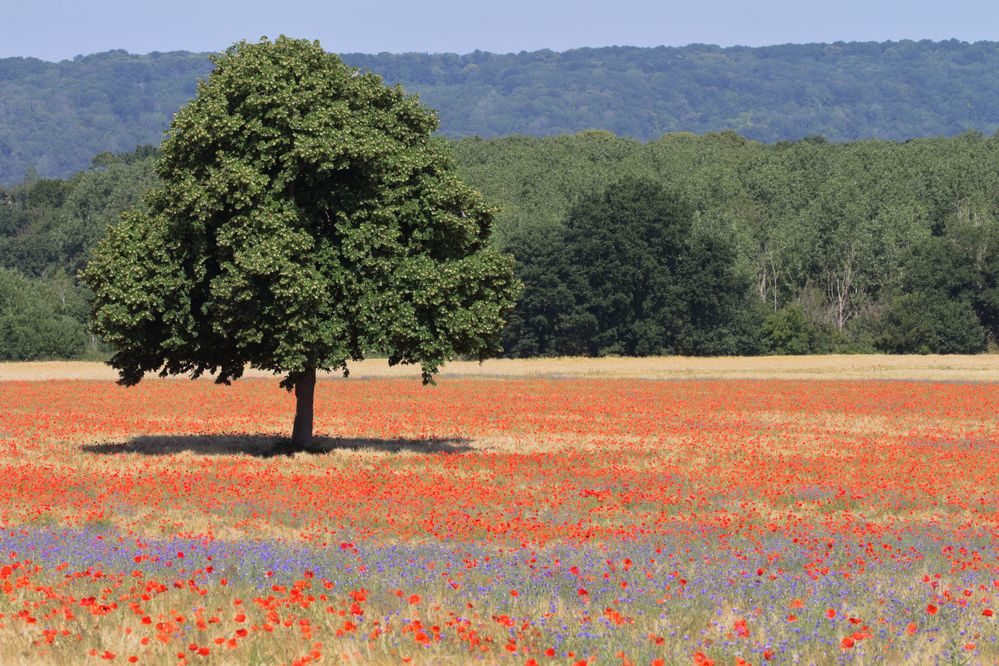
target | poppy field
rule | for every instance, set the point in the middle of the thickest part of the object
(501, 520)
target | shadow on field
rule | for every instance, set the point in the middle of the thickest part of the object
(263, 446)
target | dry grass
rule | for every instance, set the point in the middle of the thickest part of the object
(979, 368)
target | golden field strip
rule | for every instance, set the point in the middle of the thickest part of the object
(978, 368)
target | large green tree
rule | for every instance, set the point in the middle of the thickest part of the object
(306, 218)
(626, 274)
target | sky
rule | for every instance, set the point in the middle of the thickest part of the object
(62, 29)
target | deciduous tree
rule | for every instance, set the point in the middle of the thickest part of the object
(306, 218)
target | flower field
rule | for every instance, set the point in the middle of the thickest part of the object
(513, 520)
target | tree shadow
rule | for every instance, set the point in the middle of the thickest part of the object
(263, 446)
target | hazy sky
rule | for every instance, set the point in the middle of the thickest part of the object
(58, 29)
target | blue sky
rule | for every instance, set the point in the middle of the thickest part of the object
(58, 29)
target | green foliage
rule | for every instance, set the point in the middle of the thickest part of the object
(837, 230)
(788, 332)
(37, 318)
(626, 276)
(826, 226)
(305, 217)
(57, 116)
(53, 224)
(721, 316)
(60, 114)
(974, 238)
(543, 323)
(623, 246)
(930, 323)
(949, 302)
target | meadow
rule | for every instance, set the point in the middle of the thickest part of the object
(663, 511)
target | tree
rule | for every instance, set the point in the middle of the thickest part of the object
(930, 323)
(306, 218)
(623, 246)
(943, 307)
(628, 274)
(789, 332)
(722, 317)
(536, 325)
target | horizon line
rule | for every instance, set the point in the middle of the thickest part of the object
(84, 56)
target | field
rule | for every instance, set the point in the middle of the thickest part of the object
(818, 510)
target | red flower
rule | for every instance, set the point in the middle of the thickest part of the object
(703, 660)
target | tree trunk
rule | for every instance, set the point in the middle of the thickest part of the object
(305, 390)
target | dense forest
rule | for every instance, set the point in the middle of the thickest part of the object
(686, 244)
(55, 116)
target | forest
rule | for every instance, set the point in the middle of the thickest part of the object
(686, 244)
(55, 116)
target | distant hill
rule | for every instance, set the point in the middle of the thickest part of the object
(55, 116)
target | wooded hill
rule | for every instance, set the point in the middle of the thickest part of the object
(55, 116)
(711, 244)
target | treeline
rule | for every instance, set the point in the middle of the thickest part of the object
(47, 229)
(844, 91)
(684, 245)
(802, 247)
(54, 116)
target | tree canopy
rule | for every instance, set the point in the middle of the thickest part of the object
(829, 234)
(305, 218)
(626, 275)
